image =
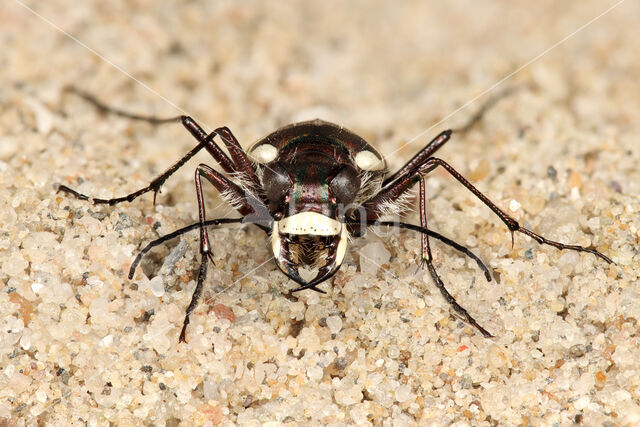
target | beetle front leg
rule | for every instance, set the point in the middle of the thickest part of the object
(435, 235)
(202, 272)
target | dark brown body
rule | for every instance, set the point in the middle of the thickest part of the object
(309, 185)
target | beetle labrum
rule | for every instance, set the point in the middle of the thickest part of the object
(311, 186)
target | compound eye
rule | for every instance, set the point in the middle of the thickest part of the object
(276, 182)
(345, 185)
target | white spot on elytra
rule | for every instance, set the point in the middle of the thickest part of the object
(263, 153)
(368, 161)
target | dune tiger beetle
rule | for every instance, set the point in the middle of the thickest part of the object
(311, 186)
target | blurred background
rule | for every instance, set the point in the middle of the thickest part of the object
(564, 144)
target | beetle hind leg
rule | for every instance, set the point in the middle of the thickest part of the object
(104, 108)
(452, 301)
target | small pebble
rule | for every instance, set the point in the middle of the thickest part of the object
(99, 308)
(37, 287)
(156, 285)
(403, 393)
(372, 257)
(334, 323)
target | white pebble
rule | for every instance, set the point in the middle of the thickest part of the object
(43, 116)
(211, 391)
(41, 395)
(514, 206)
(372, 256)
(581, 403)
(315, 373)
(594, 223)
(92, 225)
(99, 308)
(403, 393)
(334, 323)
(25, 341)
(348, 395)
(9, 370)
(106, 341)
(95, 282)
(157, 286)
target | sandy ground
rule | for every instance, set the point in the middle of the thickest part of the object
(81, 344)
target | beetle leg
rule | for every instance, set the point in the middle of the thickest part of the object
(444, 136)
(422, 155)
(485, 107)
(175, 234)
(206, 141)
(202, 274)
(435, 235)
(237, 196)
(239, 156)
(104, 108)
(451, 300)
(403, 183)
(187, 122)
(229, 189)
(425, 254)
(427, 260)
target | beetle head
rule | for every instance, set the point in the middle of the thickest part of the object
(307, 200)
